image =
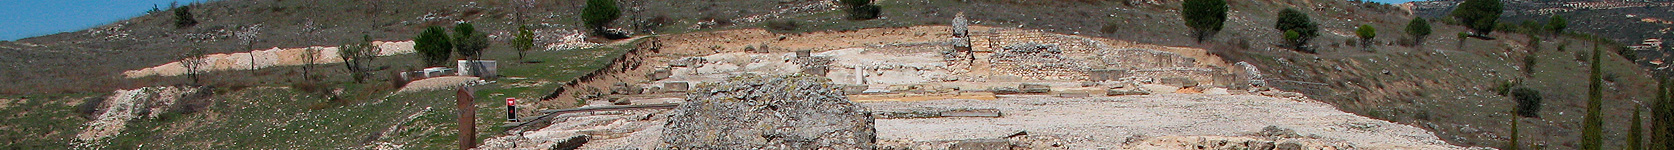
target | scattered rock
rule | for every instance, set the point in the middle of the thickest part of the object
(770, 112)
(573, 142)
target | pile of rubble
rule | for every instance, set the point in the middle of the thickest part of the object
(769, 112)
(1038, 61)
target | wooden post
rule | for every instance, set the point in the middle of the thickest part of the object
(467, 118)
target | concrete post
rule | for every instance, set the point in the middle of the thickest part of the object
(467, 118)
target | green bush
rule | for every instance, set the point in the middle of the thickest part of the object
(598, 14)
(783, 25)
(434, 46)
(183, 17)
(523, 41)
(1528, 102)
(1298, 29)
(1205, 17)
(1366, 34)
(1479, 15)
(1556, 25)
(862, 9)
(1418, 28)
(468, 42)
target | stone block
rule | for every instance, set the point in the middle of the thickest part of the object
(489, 68)
(1005, 90)
(851, 89)
(660, 74)
(1073, 95)
(1035, 88)
(1125, 92)
(1178, 82)
(676, 86)
(981, 144)
(804, 53)
(971, 113)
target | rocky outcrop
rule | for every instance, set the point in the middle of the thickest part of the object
(769, 112)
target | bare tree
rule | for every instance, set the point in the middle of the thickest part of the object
(309, 57)
(193, 61)
(356, 55)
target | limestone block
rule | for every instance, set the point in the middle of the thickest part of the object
(1035, 88)
(676, 86)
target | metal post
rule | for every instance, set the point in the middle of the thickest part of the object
(511, 109)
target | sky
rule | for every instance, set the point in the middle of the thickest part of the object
(29, 18)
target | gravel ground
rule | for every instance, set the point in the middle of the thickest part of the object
(1113, 122)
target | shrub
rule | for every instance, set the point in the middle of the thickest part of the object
(1205, 17)
(183, 17)
(862, 9)
(1528, 102)
(599, 13)
(1529, 64)
(783, 25)
(433, 46)
(1298, 29)
(1418, 28)
(89, 107)
(357, 55)
(523, 41)
(1479, 15)
(1366, 34)
(1556, 25)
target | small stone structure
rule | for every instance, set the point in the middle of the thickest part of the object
(489, 68)
(770, 112)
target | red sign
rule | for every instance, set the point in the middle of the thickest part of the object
(511, 101)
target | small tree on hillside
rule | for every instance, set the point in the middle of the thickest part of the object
(357, 55)
(1556, 25)
(248, 35)
(1418, 28)
(598, 14)
(861, 9)
(1297, 28)
(1479, 15)
(1528, 102)
(1205, 17)
(470, 44)
(309, 56)
(1635, 132)
(183, 17)
(433, 45)
(1592, 127)
(194, 62)
(1366, 34)
(524, 41)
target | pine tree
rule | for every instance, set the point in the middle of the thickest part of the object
(1418, 28)
(1297, 28)
(1479, 15)
(1592, 132)
(434, 46)
(1205, 17)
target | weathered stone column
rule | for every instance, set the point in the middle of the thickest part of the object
(467, 118)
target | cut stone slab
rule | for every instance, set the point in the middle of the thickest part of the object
(981, 144)
(1159, 87)
(1035, 88)
(1073, 95)
(676, 86)
(972, 113)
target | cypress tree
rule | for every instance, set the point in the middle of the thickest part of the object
(1592, 128)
